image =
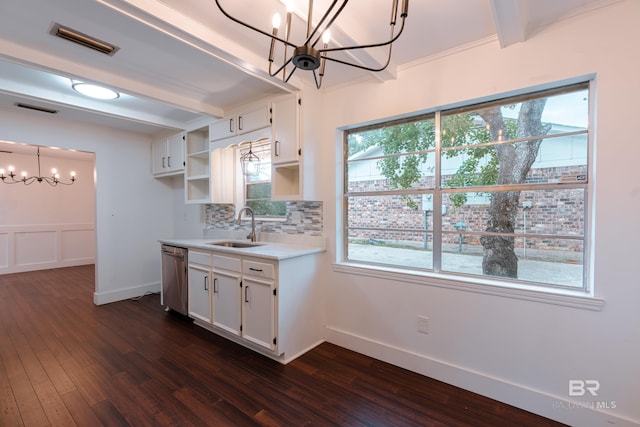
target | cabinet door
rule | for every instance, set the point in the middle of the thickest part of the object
(285, 145)
(223, 128)
(199, 299)
(175, 152)
(258, 311)
(253, 120)
(223, 175)
(226, 300)
(159, 156)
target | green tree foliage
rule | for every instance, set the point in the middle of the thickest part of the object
(401, 171)
(480, 165)
(258, 198)
(405, 148)
(410, 140)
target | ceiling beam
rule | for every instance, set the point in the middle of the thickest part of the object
(510, 18)
(49, 63)
(161, 17)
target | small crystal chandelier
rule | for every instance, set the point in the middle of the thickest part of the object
(52, 180)
(307, 56)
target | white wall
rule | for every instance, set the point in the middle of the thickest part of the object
(42, 226)
(39, 203)
(517, 351)
(133, 210)
(189, 220)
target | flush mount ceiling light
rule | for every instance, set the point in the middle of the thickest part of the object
(306, 55)
(94, 91)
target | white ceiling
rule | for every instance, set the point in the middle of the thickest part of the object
(180, 60)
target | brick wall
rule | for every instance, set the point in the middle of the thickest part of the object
(553, 212)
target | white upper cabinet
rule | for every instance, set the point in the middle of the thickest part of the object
(293, 168)
(222, 184)
(285, 118)
(240, 123)
(209, 175)
(168, 155)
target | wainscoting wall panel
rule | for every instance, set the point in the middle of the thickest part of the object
(40, 247)
(4, 250)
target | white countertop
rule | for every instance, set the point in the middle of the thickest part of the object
(265, 249)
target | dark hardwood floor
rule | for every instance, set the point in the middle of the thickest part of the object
(65, 362)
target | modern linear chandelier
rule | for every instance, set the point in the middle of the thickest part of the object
(52, 180)
(307, 56)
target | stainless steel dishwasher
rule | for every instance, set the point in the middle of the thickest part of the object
(174, 279)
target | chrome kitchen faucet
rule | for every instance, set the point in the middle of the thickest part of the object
(252, 235)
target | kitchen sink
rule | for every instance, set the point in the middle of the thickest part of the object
(235, 244)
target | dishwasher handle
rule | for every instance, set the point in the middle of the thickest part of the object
(173, 254)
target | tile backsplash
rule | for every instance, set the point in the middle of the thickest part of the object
(302, 218)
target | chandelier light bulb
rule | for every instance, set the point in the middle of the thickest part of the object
(326, 36)
(251, 167)
(275, 21)
(54, 171)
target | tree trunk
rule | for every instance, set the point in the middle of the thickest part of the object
(514, 162)
(499, 256)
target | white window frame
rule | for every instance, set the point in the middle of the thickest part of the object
(578, 298)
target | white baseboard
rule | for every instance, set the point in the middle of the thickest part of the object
(558, 408)
(100, 298)
(25, 268)
(289, 357)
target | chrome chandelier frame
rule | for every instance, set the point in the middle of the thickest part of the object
(307, 56)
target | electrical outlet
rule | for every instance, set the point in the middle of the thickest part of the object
(423, 324)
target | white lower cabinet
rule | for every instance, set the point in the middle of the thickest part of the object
(227, 291)
(271, 306)
(199, 286)
(258, 304)
(244, 299)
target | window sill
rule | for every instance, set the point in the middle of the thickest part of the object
(567, 298)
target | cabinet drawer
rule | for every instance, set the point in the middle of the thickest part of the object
(259, 269)
(226, 263)
(199, 258)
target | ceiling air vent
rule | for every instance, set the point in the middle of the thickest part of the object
(35, 108)
(83, 39)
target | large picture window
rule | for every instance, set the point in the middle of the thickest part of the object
(498, 190)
